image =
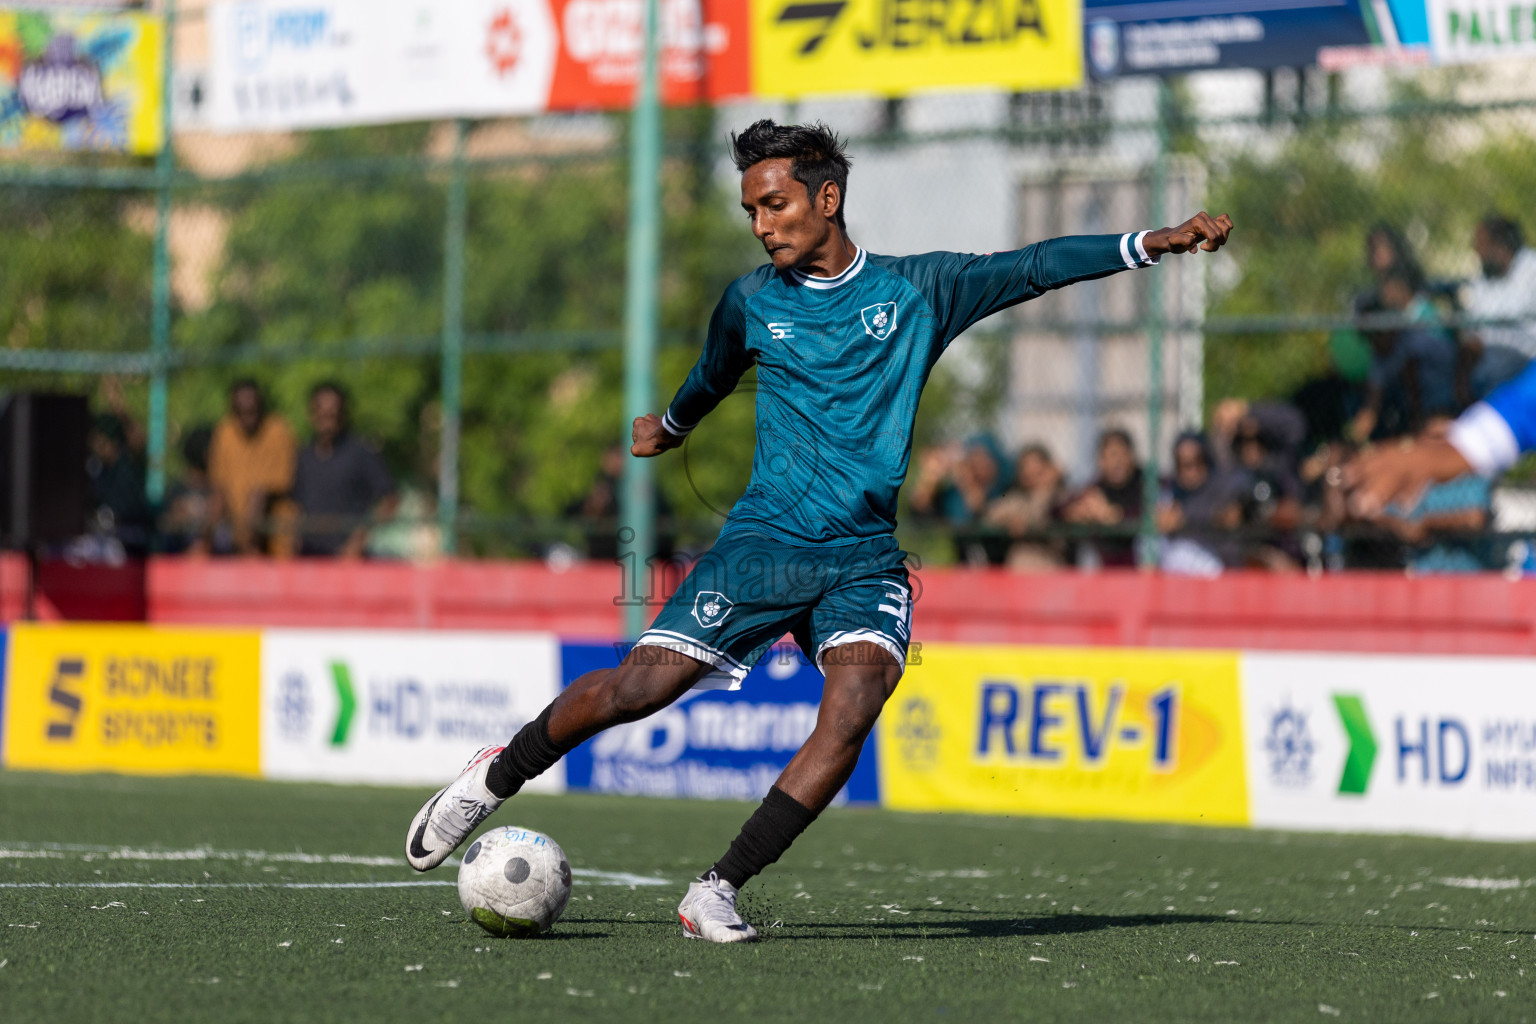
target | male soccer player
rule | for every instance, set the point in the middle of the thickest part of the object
(1485, 439)
(843, 341)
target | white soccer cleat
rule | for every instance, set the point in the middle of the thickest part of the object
(709, 912)
(448, 818)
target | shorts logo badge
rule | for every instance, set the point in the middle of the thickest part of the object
(879, 319)
(711, 607)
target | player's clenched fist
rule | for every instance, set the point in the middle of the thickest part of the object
(1202, 231)
(651, 438)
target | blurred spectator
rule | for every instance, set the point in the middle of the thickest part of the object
(121, 507)
(1491, 355)
(1272, 500)
(1112, 502)
(1279, 426)
(1200, 511)
(250, 465)
(1443, 531)
(956, 481)
(598, 510)
(413, 533)
(1388, 254)
(1027, 509)
(1413, 368)
(191, 523)
(340, 484)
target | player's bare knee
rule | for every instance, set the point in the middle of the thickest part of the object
(641, 687)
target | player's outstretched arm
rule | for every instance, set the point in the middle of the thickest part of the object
(1398, 474)
(1202, 232)
(651, 438)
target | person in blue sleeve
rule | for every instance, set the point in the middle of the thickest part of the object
(1486, 439)
(843, 341)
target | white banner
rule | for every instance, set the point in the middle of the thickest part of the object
(399, 707)
(1468, 30)
(282, 65)
(1420, 744)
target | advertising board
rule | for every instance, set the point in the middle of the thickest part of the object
(406, 707)
(1349, 742)
(133, 699)
(713, 743)
(282, 64)
(896, 47)
(80, 80)
(1077, 732)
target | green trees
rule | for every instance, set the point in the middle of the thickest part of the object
(1303, 208)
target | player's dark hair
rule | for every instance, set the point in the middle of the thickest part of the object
(242, 383)
(1039, 450)
(334, 388)
(1503, 232)
(1403, 259)
(815, 153)
(1111, 434)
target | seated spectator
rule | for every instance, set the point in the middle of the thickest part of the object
(121, 510)
(1200, 511)
(340, 484)
(1280, 426)
(956, 481)
(1443, 531)
(250, 465)
(191, 523)
(1272, 502)
(1112, 502)
(1492, 354)
(1027, 509)
(1413, 368)
(598, 510)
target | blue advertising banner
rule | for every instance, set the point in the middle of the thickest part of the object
(1141, 37)
(712, 744)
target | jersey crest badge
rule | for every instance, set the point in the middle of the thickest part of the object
(711, 607)
(879, 320)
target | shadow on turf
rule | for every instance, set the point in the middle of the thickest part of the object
(1059, 924)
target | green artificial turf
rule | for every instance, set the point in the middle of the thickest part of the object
(873, 916)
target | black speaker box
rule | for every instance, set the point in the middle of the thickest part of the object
(44, 490)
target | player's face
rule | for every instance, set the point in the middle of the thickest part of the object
(791, 227)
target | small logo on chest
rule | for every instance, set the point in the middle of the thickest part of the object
(879, 320)
(783, 330)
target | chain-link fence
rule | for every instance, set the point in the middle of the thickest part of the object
(462, 284)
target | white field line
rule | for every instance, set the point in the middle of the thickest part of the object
(89, 853)
(1487, 884)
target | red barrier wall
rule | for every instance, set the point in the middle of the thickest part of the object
(1383, 612)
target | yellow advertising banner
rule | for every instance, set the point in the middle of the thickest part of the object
(896, 47)
(81, 80)
(1135, 734)
(133, 699)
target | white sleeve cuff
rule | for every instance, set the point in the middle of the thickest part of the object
(1133, 251)
(1484, 439)
(671, 426)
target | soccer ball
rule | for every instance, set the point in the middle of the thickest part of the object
(515, 882)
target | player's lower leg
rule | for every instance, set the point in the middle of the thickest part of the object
(857, 687)
(594, 702)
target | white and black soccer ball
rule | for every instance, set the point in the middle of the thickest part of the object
(515, 882)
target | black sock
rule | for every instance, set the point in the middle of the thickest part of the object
(767, 834)
(527, 755)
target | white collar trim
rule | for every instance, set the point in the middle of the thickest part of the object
(828, 283)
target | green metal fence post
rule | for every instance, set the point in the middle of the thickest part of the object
(160, 288)
(637, 501)
(454, 241)
(1154, 326)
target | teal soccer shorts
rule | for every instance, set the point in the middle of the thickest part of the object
(750, 590)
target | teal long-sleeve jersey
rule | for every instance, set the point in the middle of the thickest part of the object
(841, 364)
